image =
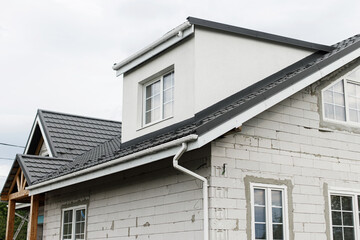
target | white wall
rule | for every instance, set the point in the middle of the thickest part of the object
(226, 63)
(182, 58)
(208, 68)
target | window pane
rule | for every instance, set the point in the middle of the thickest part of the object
(155, 114)
(339, 99)
(339, 87)
(328, 97)
(155, 88)
(346, 203)
(277, 215)
(169, 80)
(276, 198)
(336, 218)
(278, 232)
(352, 102)
(260, 231)
(168, 109)
(329, 111)
(68, 216)
(340, 113)
(260, 214)
(337, 233)
(80, 215)
(348, 219)
(348, 233)
(168, 95)
(148, 117)
(259, 195)
(335, 202)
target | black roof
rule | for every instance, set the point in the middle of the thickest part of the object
(213, 116)
(257, 34)
(71, 135)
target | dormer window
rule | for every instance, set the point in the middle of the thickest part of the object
(341, 100)
(159, 98)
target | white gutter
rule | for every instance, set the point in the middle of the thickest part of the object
(120, 164)
(205, 187)
(169, 39)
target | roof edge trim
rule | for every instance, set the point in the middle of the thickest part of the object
(258, 34)
(143, 157)
(169, 39)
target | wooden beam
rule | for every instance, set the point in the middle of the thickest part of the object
(19, 195)
(38, 148)
(10, 220)
(18, 183)
(24, 184)
(21, 180)
(4, 197)
(14, 181)
(33, 217)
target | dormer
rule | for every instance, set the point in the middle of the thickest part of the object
(196, 65)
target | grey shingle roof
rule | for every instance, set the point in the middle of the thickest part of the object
(214, 115)
(70, 135)
(36, 167)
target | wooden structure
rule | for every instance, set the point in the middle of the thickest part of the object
(18, 193)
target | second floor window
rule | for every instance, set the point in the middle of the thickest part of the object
(341, 100)
(159, 98)
(74, 223)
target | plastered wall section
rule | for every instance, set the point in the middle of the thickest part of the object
(283, 145)
(160, 204)
(208, 67)
(226, 63)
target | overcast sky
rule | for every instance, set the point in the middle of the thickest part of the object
(57, 54)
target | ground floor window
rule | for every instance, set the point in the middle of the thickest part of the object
(345, 215)
(269, 212)
(74, 223)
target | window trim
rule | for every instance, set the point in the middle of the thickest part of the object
(351, 193)
(74, 208)
(270, 187)
(346, 79)
(148, 83)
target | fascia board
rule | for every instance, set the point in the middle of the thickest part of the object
(117, 165)
(161, 45)
(238, 120)
(38, 122)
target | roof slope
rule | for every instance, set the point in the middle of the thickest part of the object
(36, 167)
(213, 116)
(70, 135)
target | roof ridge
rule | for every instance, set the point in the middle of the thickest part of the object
(78, 116)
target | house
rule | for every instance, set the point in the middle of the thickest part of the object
(227, 133)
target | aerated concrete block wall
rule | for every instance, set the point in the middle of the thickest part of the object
(153, 202)
(284, 145)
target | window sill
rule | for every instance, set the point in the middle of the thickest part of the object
(153, 123)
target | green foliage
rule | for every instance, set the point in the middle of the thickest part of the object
(3, 217)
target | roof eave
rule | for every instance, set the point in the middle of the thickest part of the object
(171, 38)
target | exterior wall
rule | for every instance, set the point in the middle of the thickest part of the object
(227, 63)
(283, 145)
(181, 57)
(152, 202)
(208, 68)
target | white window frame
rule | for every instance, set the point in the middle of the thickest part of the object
(345, 79)
(161, 79)
(347, 193)
(268, 188)
(73, 221)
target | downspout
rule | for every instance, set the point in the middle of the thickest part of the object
(205, 187)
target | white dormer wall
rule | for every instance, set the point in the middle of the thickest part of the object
(208, 67)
